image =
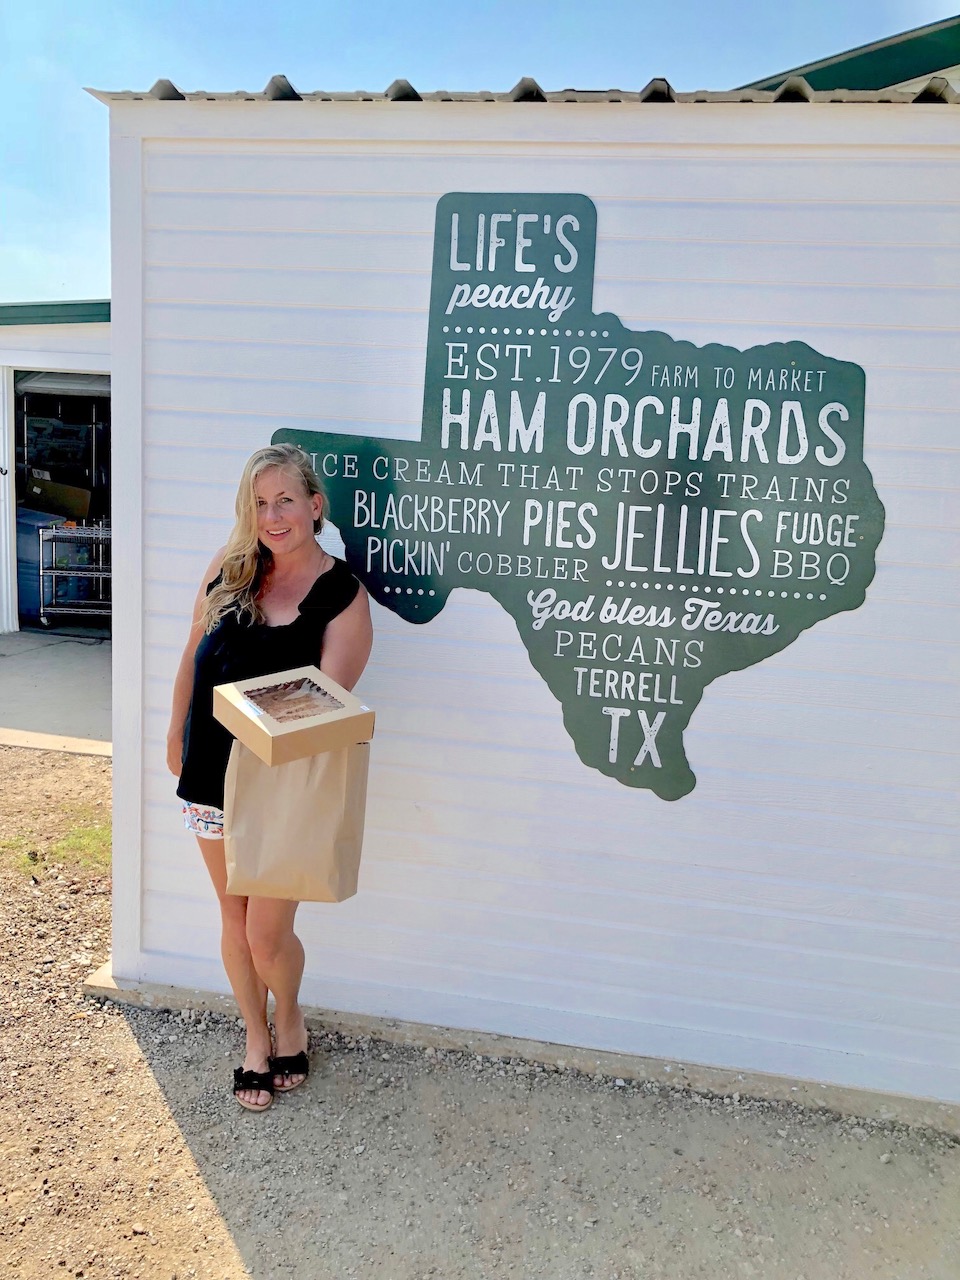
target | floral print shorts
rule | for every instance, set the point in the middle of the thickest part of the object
(203, 820)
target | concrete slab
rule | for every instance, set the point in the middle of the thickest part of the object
(55, 692)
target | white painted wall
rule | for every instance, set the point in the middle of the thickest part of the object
(73, 348)
(798, 912)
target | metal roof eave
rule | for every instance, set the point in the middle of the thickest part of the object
(527, 90)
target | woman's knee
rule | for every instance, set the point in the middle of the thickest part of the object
(266, 946)
(233, 916)
(269, 934)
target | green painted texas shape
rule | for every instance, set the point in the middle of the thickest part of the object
(651, 514)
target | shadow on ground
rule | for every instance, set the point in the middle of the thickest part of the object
(398, 1163)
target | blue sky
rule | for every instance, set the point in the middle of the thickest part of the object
(54, 210)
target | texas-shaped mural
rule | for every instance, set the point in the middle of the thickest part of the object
(651, 514)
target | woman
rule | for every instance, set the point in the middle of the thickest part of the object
(271, 599)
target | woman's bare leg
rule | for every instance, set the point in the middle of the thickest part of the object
(278, 956)
(248, 987)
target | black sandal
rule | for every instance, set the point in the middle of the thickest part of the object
(250, 1081)
(297, 1064)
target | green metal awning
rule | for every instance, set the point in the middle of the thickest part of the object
(924, 51)
(96, 311)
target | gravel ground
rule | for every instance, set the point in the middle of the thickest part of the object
(125, 1155)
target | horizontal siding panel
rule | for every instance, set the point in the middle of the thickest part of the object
(865, 342)
(296, 401)
(913, 585)
(73, 339)
(870, 340)
(735, 837)
(764, 766)
(183, 568)
(633, 895)
(766, 303)
(833, 654)
(772, 220)
(731, 830)
(932, 460)
(918, 545)
(826, 692)
(538, 753)
(880, 616)
(825, 662)
(290, 251)
(859, 799)
(934, 471)
(927, 742)
(923, 443)
(858, 222)
(498, 776)
(188, 429)
(837, 654)
(820, 692)
(540, 947)
(677, 887)
(923, 747)
(342, 362)
(632, 174)
(896, 132)
(199, 321)
(408, 997)
(640, 260)
(634, 254)
(178, 525)
(401, 290)
(924, 791)
(408, 213)
(590, 813)
(927, 390)
(377, 954)
(408, 289)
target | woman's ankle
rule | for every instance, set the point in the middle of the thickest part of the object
(288, 1016)
(259, 1042)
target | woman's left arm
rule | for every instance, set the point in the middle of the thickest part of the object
(347, 642)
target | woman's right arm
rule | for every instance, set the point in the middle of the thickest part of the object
(183, 683)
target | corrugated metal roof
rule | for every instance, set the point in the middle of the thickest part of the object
(794, 89)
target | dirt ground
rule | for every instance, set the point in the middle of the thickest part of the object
(124, 1154)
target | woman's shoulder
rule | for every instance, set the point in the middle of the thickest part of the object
(334, 589)
(341, 569)
(213, 574)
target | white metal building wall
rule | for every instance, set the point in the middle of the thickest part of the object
(798, 912)
(73, 348)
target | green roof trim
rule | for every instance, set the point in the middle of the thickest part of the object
(96, 311)
(924, 51)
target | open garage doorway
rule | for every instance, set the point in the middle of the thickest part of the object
(62, 461)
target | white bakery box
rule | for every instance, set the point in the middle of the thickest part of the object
(292, 714)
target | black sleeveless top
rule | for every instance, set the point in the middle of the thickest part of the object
(238, 650)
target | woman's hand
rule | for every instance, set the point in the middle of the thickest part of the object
(175, 754)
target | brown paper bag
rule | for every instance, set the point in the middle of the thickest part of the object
(295, 830)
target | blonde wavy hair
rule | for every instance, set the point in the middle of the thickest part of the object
(246, 561)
